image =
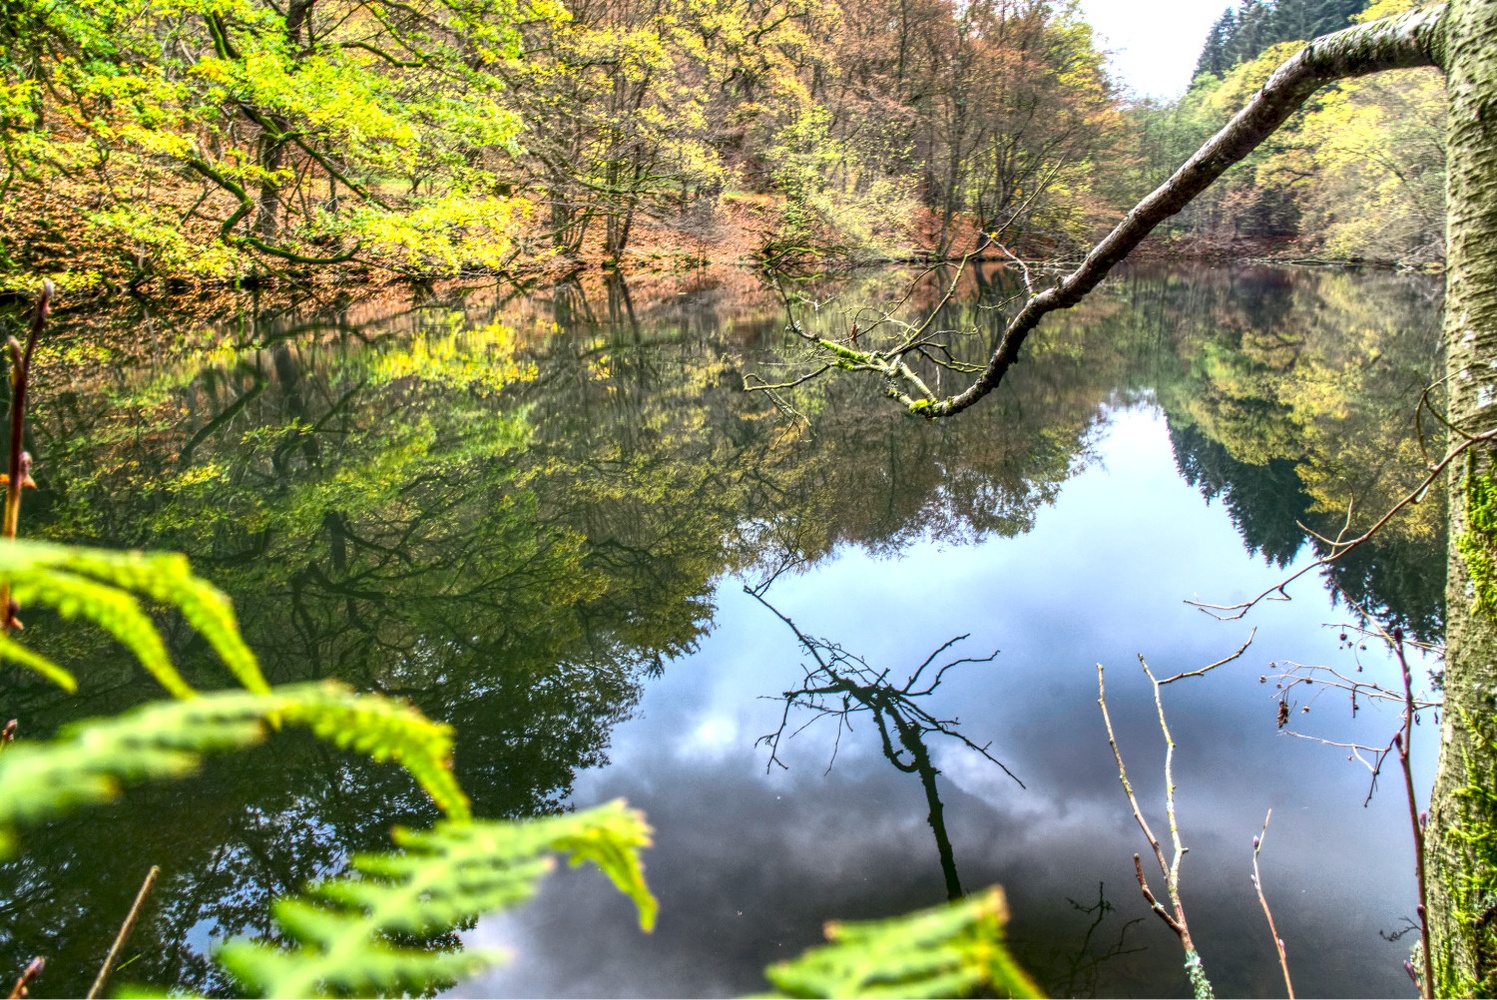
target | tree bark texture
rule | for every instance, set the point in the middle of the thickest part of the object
(1461, 854)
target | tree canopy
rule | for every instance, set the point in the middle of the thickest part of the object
(148, 143)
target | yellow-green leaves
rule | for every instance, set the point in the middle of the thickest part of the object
(1359, 172)
(443, 234)
(343, 931)
(91, 761)
(105, 587)
(200, 133)
(947, 951)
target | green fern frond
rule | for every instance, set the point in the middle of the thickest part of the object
(99, 584)
(951, 950)
(618, 859)
(385, 730)
(207, 609)
(92, 760)
(110, 608)
(443, 878)
(20, 655)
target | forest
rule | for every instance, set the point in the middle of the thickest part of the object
(167, 145)
(594, 549)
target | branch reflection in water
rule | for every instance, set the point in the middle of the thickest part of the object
(839, 684)
(843, 684)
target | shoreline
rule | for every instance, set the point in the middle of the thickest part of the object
(660, 252)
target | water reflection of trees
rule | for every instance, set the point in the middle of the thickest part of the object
(842, 685)
(420, 512)
(513, 512)
(839, 685)
(1292, 415)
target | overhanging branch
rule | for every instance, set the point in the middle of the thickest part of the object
(1407, 41)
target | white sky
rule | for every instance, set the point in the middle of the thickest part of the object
(1154, 43)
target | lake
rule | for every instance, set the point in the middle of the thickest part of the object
(535, 515)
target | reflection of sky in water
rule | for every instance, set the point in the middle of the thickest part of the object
(766, 858)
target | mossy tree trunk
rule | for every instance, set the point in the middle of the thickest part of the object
(1462, 835)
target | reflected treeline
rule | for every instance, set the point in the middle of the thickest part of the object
(512, 510)
(1295, 404)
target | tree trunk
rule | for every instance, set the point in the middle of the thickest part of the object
(1462, 836)
(272, 154)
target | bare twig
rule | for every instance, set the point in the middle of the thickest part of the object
(23, 984)
(1174, 918)
(124, 934)
(1357, 750)
(1340, 545)
(1323, 679)
(1169, 866)
(1258, 885)
(1425, 404)
(764, 386)
(1402, 741)
(1023, 268)
(890, 363)
(1222, 662)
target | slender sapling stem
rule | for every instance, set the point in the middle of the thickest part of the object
(1402, 741)
(1258, 885)
(124, 934)
(18, 470)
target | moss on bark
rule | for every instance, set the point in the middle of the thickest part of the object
(1462, 841)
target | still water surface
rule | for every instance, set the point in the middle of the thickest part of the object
(536, 517)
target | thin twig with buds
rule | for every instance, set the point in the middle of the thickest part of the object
(23, 984)
(1258, 885)
(1400, 744)
(18, 472)
(1174, 917)
(1402, 741)
(1341, 545)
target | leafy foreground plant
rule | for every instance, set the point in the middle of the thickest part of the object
(341, 932)
(951, 950)
(106, 587)
(446, 877)
(342, 935)
(387, 926)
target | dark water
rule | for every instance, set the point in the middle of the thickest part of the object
(535, 518)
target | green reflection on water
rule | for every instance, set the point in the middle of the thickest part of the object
(514, 513)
